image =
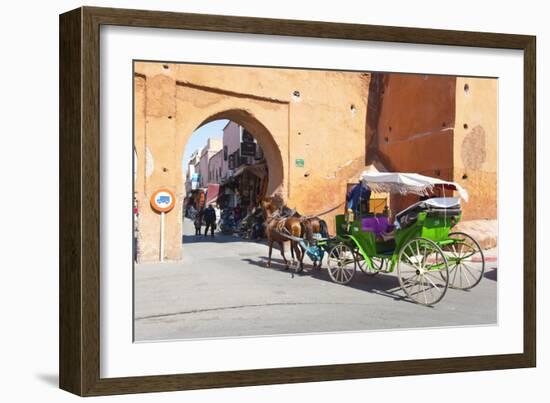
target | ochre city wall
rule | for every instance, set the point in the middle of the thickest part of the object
(336, 122)
(432, 126)
(416, 126)
(475, 145)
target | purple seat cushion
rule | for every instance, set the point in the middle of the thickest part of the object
(377, 225)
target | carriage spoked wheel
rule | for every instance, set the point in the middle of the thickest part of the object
(341, 264)
(466, 261)
(377, 263)
(423, 271)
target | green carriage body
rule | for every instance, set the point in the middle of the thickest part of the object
(427, 255)
(434, 226)
(422, 249)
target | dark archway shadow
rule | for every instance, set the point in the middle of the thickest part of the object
(191, 239)
(218, 237)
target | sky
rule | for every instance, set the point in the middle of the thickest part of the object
(200, 136)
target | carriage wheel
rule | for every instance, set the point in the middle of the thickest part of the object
(422, 271)
(378, 265)
(341, 264)
(466, 261)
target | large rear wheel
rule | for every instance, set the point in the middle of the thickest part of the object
(422, 271)
(466, 261)
(341, 264)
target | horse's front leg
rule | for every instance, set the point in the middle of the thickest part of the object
(300, 253)
(292, 243)
(269, 255)
(282, 246)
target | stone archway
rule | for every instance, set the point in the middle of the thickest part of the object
(168, 111)
(267, 119)
(265, 140)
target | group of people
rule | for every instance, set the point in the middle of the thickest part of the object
(210, 217)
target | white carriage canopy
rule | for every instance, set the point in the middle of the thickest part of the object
(408, 183)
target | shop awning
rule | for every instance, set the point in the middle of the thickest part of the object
(212, 193)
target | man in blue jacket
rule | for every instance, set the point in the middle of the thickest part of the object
(358, 194)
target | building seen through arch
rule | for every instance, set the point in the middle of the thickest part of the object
(229, 171)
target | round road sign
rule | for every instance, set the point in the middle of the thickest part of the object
(163, 200)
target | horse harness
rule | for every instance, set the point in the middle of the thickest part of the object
(280, 224)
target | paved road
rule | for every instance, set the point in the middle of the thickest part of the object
(222, 288)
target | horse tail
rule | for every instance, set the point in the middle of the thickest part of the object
(323, 227)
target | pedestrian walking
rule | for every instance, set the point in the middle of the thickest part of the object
(210, 220)
(198, 222)
(218, 215)
(191, 212)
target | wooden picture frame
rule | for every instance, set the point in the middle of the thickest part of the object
(80, 186)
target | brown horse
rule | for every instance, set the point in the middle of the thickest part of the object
(311, 225)
(278, 225)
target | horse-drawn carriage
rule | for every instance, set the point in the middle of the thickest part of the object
(420, 244)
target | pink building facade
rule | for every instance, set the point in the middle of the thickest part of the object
(231, 143)
(215, 168)
(213, 146)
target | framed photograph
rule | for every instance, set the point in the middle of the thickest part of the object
(250, 201)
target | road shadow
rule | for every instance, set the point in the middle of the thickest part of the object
(491, 273)
(381, 284)
(277, 264)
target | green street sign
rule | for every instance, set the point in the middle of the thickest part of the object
(300, 163)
